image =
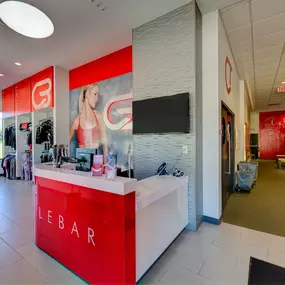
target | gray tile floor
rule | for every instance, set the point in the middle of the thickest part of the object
(213, 255)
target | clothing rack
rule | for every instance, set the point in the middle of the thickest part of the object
(46, 119)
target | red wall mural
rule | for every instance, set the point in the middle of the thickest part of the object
(272, 134)
(101, 96)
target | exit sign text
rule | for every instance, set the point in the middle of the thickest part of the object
(281, 89)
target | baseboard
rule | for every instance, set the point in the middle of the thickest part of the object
(211, 220)
(191, 228)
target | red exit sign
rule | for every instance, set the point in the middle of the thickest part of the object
(281, 89)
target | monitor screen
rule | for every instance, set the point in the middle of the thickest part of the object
(168, 114)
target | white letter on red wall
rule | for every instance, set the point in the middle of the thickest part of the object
(90, 236)
(49, 217)
(61, 222)
(75, 229)
(40, 216)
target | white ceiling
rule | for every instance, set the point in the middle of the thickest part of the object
(256, 31)
(82, 33)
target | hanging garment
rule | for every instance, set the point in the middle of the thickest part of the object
(29, 138)
(44, 132)
(26, 166)
(10, 137)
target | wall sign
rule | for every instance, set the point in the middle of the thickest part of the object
(42, 88)
(101, 117)
(228, 75)
(272, 134)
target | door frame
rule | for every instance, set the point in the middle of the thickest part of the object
(233, 149)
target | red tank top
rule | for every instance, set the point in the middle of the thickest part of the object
(88, 136)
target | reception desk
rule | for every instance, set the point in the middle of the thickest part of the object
(107, 231)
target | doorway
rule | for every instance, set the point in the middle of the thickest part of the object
(227, 153)
(254, 147)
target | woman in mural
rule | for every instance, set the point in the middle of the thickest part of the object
(89, 124)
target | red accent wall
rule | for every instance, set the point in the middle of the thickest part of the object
(272, 134)
(112, 65)
(65, 213)
(8, 102)
(23, 97)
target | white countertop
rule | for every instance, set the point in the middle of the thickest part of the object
(154, 188)
(120, 185)
(147, 190)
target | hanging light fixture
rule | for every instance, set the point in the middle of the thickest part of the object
(26, 19)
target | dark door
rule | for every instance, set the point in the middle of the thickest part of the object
(227, 157)
(254, 144)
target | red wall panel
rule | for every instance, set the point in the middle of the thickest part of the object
(109, 66)
(42, 89)
(272, 134)
(23, 97)
(65, 215)
(8, 102)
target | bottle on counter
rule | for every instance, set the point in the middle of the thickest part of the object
(111, 166)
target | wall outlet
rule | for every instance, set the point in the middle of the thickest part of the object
(185, 149)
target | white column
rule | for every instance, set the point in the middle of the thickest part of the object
(61, 106)
(242, 109)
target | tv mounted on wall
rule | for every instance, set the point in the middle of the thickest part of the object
(168, 114)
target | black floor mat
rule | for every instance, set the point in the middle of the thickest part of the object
(264, 273)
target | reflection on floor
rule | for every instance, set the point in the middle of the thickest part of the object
(216, 255)
(263, 209)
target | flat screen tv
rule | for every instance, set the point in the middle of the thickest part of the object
(168, 114)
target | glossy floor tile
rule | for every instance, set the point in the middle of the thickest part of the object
(216, 255)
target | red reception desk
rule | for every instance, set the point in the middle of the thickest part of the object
(107, 231)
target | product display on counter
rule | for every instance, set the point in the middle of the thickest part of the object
(97, 167)
(46, 157)
(111, 166)
(44, 131)
(10, 136)
(9, 166)
(86, 155)
(26, 166)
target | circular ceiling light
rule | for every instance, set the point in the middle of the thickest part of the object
(26, 19)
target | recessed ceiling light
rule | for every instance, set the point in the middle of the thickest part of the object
(26, 19)
(283, 82)
(1, 75)
(18, 63)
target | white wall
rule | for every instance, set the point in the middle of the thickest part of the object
(164, 63)
(211, 117)
(254, 123)
(234, 100)
(215, 50)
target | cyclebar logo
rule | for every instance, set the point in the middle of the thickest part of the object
(228, 75)
(41, 94)
(59, 221)
(125, 111)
